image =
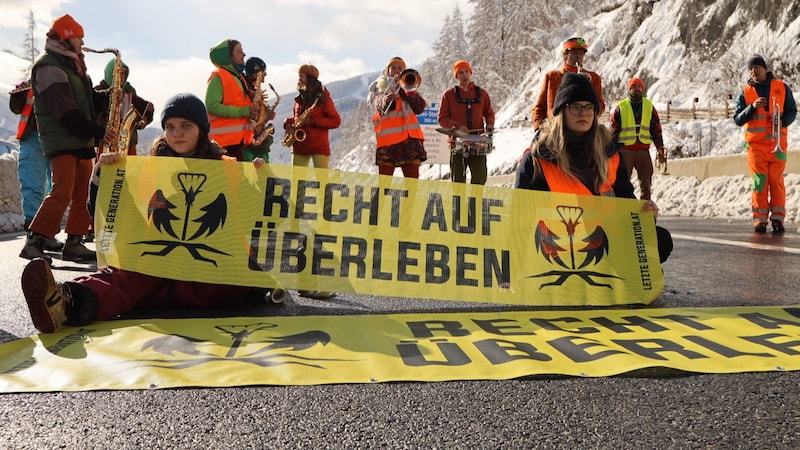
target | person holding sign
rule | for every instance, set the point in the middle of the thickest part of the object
(572, 153)
(112, 291)
(467, 108)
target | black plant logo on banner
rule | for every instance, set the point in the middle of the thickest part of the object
(593, 251)
(160, 212)
(246, 343)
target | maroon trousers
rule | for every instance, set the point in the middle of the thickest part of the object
(119, 291)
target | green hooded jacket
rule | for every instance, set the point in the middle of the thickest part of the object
(220, 56)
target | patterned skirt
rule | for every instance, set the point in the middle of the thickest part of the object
(410, 151)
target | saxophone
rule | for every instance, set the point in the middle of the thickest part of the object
(122, 125)
(264, 111)
(296, 133)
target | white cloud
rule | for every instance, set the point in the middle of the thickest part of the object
(166, 43)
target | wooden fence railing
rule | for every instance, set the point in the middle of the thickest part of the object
(670, 114)
(726, 112)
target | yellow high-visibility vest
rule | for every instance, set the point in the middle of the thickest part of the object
(627, 132)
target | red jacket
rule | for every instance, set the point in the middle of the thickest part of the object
(322, 118)
(454, 113)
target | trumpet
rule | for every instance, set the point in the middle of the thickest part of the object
(21, 87)
(776, 125)
(409, 81)
(580, 70)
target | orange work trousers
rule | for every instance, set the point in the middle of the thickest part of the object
(769, 190)
(71, 177)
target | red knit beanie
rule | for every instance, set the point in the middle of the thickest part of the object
(66, 27)
(633, 81)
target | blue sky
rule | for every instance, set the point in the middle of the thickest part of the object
(166, 42)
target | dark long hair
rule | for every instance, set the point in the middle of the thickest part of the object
(206, 148)
(311, 92)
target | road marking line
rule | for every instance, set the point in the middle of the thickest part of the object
(738, 243)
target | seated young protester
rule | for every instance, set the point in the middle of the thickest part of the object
(573, 153)
(112, 291)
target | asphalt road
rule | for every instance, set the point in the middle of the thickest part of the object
(715, 263)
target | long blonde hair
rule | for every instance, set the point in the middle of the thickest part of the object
(553, 138)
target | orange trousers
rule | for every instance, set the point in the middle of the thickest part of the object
(71, 177)
(769, 190)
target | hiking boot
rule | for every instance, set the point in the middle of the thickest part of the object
(777, 226)
(52, 244)
(761, 228)
(47, 300)
(74, 250)
(34, 247)
(52, 304)
(89, 237)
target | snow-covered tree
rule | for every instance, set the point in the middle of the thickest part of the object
(27, 51)
(451, 46)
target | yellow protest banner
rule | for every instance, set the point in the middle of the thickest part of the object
(230, 223)
(243, 351)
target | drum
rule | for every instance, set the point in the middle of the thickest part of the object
(473, 146)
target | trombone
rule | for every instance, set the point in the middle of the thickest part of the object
(409, 80)
(776, 125)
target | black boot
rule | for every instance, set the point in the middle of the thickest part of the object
(34, 247)
(53, 245)
(74, 250)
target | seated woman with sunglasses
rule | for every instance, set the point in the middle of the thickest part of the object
(573, 153)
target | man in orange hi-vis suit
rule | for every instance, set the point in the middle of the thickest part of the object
(765, 108)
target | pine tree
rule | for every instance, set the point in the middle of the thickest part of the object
(27, 50)
(449, 47)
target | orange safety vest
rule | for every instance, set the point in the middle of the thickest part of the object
(560, 182)
(231, 130)
(25, 115)
(759, 128)
(397, 125)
